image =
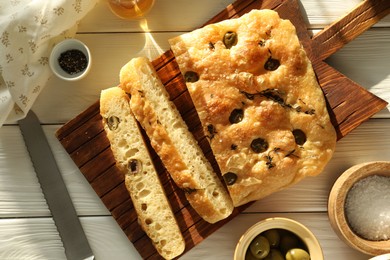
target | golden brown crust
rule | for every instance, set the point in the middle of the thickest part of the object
(266, 83)
(172, 141)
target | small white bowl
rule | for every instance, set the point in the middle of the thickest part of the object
(308, 238)
(63, 46)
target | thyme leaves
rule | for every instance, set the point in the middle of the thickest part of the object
(189, 190)
(269, 158)
(211, 46)
(291, 154)
(211, 130)
(270, 164)
(276, 96)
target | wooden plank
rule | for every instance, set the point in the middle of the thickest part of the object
(346, 91)
(364, 60)
(347, 28)
(38, 238)
(319, 14)
(346, 110)
(91, 152)
(226, 237)
(69, 130)
(366, 143)
(82, 134)
(25, 238)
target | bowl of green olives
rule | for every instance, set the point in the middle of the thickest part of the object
(278, 239)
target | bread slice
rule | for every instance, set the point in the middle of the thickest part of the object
(173, 142)
(132, 158)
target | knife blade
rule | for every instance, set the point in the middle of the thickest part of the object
(55, 192)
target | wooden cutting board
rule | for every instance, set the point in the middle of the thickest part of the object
(349, 105)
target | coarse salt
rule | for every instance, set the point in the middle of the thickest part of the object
(367, 207)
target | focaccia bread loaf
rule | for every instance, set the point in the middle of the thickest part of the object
(172, 141)
(259, 102)
(132, 158)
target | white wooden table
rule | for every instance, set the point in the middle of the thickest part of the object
(27, 230)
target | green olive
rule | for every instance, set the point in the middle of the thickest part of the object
(297, 254)
(113, 122)
(230, 39)
(273, 237)
(288, 242)
(259, 247)
(274, 254)
(249, 256)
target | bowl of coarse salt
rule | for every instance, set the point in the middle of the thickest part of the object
(359, 207)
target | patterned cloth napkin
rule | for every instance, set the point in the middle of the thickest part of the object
(28, 31)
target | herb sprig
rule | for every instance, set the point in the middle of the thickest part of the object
(275, 95)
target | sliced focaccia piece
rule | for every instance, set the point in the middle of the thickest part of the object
(172, 141)
(259, 102)
(132, 158)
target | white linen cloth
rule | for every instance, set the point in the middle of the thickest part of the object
(28, 31)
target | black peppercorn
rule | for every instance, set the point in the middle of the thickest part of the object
(73, 61)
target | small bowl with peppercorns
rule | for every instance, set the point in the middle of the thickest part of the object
(70, 60)
(278, 238)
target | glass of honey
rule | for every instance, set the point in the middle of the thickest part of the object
(130, 9)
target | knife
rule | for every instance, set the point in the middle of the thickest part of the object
(56, 194)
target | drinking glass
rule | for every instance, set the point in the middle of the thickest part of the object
(130, 9)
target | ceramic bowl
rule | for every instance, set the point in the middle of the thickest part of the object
(293, 226)
(381, 257)
(336, 207)
(63, 46)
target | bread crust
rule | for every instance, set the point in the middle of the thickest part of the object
(132, 157)
(172, 141)
(266, 83)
